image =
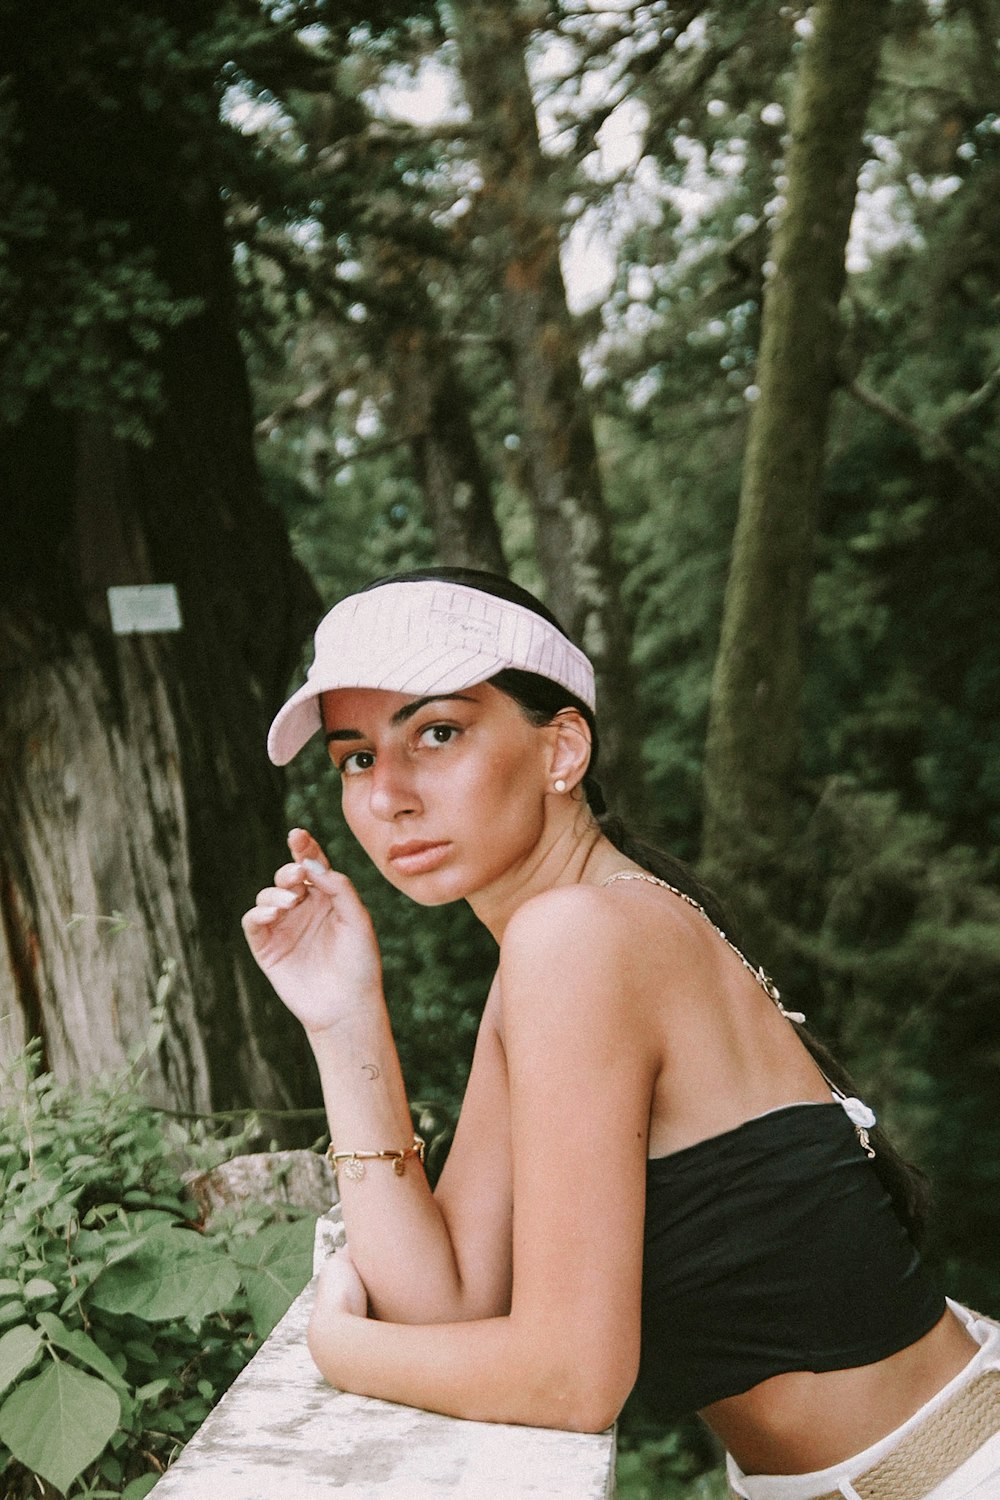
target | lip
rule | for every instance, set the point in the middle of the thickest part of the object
(418, 856)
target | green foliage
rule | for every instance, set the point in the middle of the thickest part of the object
(893, 949)
(274, 1263)
(84, 314)
(122, 1319)
(85, 300)
(58, 1423)
(168, 1273)
(675, 524)
(96, 241)
(680, 1463)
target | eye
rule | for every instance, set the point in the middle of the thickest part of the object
(438, 734)
(358, 760)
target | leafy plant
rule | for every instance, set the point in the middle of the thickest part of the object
(122, 1319)
(679, 1463)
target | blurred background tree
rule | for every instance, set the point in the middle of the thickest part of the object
(498, 275)
(132, 799)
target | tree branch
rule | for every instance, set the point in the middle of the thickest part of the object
(934, 442)
(391, 136)
(972, 403)
(295, 406)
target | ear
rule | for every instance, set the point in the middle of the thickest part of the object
(570, 748)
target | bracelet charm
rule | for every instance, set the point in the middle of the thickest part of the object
(352, 1163)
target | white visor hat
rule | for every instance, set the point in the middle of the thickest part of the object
(424, 638)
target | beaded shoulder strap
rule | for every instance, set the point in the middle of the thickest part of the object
(764, 979)
(860, 1116)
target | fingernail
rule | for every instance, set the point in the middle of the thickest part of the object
(313, 866)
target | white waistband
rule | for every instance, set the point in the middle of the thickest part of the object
(820, 1481)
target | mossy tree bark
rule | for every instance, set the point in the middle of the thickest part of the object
(522, 203)
(431, 411)
(753, 732)
(138, 813)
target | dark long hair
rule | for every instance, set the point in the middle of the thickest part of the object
(540, 699)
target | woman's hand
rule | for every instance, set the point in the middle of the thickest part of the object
(340, 1288)
(314, 939)
(340, 1297)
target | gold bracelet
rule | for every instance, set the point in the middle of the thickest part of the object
(354, 1161)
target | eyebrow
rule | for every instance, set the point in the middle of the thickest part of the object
(402, 714)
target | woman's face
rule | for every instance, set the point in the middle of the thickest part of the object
(444, 794)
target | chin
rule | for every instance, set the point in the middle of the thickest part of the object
(426, 890)
(432, 900)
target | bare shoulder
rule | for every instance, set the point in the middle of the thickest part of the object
(596, 919)
(583, 945)
(565, 918)
(628, 947)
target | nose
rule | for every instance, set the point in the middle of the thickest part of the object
(392, 792)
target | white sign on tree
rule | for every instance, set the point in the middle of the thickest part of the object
(144, 608)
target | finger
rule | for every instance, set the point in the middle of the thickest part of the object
(290, 876)
(304, 846)
(272, 896)
(331, 882)
(258, 917)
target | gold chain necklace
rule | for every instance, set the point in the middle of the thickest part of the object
(764, 979)
(861, 1117)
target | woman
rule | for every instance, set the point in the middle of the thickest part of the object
(648, 1158)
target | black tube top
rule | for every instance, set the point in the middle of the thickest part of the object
(769, 1248)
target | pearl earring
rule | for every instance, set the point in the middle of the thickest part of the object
(559, 786)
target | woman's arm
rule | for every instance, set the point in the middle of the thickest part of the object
(420, 1262)
(424, 1258)
(581, 1061)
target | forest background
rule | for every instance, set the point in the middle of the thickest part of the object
(284, 308)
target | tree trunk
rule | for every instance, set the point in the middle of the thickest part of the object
(431, 410)
(138, 813)
(523, 207)
(430, 407)
(753, 730)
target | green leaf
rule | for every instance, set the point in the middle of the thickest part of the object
(41, 1193)
(175, 1274)
(112, 1471)
(128, 1247)
(38, 1287)
(153, 1389)
(141, 1352)
(114, 1250)
(276, 1265)
(101, 1212)
(80, 1163)
(139, 1488)
(58, 1423)
(19, 1349)
(74, 1341)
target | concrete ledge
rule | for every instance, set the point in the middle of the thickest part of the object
(281, 1431)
